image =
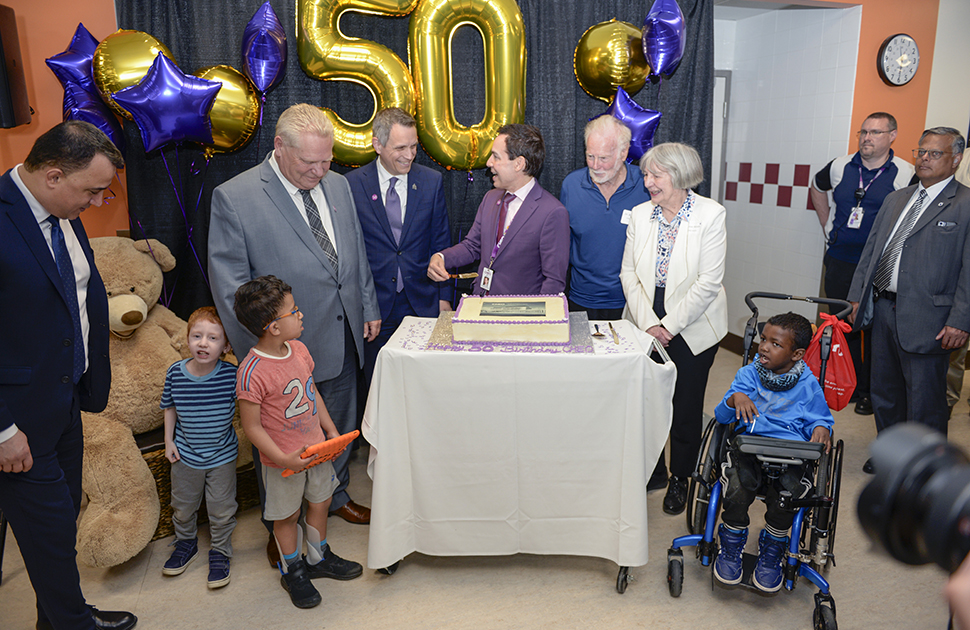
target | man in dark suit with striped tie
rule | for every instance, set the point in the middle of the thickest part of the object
(913, 284)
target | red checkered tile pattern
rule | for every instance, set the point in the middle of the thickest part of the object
(762, 186)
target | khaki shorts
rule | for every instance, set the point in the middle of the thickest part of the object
(284, 495)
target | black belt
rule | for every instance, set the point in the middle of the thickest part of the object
(883, 295)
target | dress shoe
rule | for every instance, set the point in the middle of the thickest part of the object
(103, 620)
(273, 552)
(676, 498)
(864, 406)
(657, 482)
(868, 468)
(353, 513)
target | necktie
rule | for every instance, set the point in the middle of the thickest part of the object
(65, 268)
(392, 205)
(316, 226)
(502, 214)
(887, 263)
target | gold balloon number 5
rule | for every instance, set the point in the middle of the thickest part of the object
(326, 53)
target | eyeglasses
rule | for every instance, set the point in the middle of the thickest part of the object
(295, 310)
(934, 155)
(873, 132)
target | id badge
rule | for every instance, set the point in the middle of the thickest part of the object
(625, 217)
(855, 218)
(487, 274)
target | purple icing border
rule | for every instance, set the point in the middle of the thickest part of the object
(473, 344)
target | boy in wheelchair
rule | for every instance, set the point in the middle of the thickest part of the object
(775, 396)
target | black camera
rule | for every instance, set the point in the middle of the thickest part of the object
(918, 505)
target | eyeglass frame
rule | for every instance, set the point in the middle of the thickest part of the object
(296, 309)
(862, 133)
(918, 153)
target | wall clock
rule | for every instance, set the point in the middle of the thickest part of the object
(898, 59)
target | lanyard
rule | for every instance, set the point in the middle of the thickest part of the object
(860, 192)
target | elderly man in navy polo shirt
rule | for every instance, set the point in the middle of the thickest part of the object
(847, 194)
(599, 199)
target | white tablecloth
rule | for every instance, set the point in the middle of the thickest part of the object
(491, 453)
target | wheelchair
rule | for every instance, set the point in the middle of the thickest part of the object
(812, 540)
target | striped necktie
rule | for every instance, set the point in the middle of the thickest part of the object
(316, 226)
(887, 263)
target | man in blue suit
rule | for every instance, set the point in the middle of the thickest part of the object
(53, 359)
(401, 206)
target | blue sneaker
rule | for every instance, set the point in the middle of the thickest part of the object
(185, 552)
(768, 574)
(727, 566)
(218, 569)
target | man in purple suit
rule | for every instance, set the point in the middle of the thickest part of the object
(402, 212)
(521, 232)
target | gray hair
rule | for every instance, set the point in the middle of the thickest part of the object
(300, 120)
(385, 120)
(958, 143)
(680, 161)
(609, 126)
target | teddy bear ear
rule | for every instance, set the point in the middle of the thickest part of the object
(157, 250)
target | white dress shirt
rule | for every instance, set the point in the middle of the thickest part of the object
(318, 198)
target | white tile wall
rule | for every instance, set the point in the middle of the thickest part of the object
(793, 75)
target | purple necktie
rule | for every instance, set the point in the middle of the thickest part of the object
(392, 205)
(65, 268)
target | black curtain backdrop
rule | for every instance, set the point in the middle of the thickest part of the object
(209, 32)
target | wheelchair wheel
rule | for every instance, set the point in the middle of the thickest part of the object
(675, 572)
(836, 489)
(824, 619)
(697, 493)
(830, 472)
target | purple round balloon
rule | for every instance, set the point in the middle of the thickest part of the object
(642, 123)
(664, 36)
(264, 49)
(74, 64)
(81, 105)
(169, 105)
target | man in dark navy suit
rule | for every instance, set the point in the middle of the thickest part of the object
(53, 359)
(401, 206)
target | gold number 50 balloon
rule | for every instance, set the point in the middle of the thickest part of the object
(432, 26)
(326, 53)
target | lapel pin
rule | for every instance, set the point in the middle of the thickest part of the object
(414, 186)
(373, 197)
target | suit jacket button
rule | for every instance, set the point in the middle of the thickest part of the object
(340, 318)
(400, 253)
(394, 279)
(340, 286)
(65, 379)
(67, 342)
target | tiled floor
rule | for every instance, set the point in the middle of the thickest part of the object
(524, 591)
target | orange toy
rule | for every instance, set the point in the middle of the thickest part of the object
(325, 451)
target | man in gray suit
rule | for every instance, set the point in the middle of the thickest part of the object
(293, 218)
(913, 284)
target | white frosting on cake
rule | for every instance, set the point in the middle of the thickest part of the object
(469, 325)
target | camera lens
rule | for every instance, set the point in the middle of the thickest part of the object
(918, 505)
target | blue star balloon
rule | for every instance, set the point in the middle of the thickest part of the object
(74, 64)
(169, 105)
(642, 123)
(81, 105)
(264, 49)
(664, 36)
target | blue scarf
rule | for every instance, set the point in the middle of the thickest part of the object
(779, 382)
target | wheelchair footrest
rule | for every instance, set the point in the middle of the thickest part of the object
(748, 562)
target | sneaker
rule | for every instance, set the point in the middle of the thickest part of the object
(771, 553)
(334, 567)
(297, 583)
(676, 498)
(218, 569)
(185, 552)
(727, 566)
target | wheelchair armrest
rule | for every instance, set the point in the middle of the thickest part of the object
(777, 448)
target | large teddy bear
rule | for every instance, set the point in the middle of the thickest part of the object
(122, 511)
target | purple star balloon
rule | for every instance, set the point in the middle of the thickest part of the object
(664, 36)
(169, 105)
(264, 49)
(74, 64)
(81, 105)
(642, 122)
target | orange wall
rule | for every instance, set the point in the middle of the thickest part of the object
(45, 28)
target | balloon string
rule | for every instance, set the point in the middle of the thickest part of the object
(165, 298)
(189, 228)
(259, 128)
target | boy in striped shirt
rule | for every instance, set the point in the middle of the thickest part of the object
(283, 414)
(199, 400)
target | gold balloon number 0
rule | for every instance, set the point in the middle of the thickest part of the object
(327, 54)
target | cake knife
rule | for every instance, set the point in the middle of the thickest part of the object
(616, 337)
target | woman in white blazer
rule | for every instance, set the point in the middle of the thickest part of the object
(671, 274)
